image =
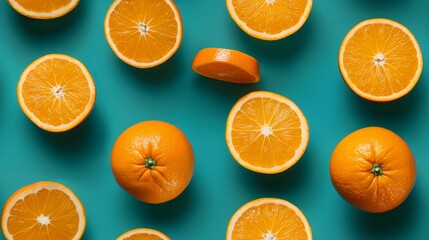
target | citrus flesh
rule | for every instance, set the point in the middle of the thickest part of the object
(143, 33)
(266, 132)
(43, 210)
(269, 19)
(56, 92)
(268, 218)
(380, 60)
(143, 234)
(43, 9)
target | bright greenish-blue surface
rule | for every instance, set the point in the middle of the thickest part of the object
(302, 67)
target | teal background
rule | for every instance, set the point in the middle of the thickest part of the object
(302, 67)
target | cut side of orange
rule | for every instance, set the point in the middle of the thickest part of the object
(56, 92)
(268, 218)
(269, 19)
(43, 210)
(143, 33)
(226, 65)
(380, 60)
(43, 9)
(266, 132)
(143, 234)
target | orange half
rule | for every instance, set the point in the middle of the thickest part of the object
(266, 132)
(380, 60)
(269, 19)
(268, 218)
(143, 234)
(226, 65)
(143, 33)
(43, 9)
(43, 210)
(56, 92)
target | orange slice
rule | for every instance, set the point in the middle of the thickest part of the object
(43, 9)
(143, 234)
(43, 210)
(143, 33)
(380, 60)
(268, 218)
(226, 65)
(266, 132)
(269, 19)
(56, 92)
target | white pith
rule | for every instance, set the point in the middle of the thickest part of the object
(266, 130)
(143, 29)
(379, 59)
(44, 220)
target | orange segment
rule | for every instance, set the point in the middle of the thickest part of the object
(266, 132)
(380, 60)
(43, 210)
(43, 9)
(56, 92)
(268, 218)
(226, 65)
(143, 234)
(143, 33)
(269, 19)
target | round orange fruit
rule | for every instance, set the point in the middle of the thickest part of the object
(43, 210)
(153, 161)
(373, 169)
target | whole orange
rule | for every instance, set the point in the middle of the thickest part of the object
(373, 169)
(153, 161)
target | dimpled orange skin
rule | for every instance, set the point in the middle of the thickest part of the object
(153, 161)
(373, 169)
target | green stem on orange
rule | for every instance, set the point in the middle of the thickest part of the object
(376, 170)
(150, 163)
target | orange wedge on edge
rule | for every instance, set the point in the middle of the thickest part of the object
(268, 218)
(380, 60)
(269, 19)
(266, 132)
(226, 65)
(143, 33)
(43, 210)
(43, 9)
(143, 234)
(56, 92)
